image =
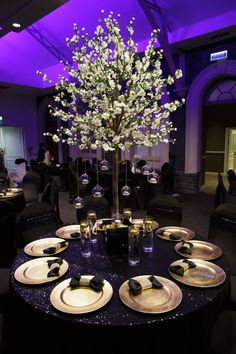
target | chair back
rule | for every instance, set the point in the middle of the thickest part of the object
(31, 185)
(166, 210)
(51, 195)
(100, 205)
(36, 220)
(222, 231)
(8, 249)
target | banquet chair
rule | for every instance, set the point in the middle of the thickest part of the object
(36, 219)
(31, 185)
(8, 250)
(50, 195)
(166, 210)
(100, 205)
(222, 232)
(223, 333)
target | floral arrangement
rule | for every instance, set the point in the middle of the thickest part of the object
(121, 89)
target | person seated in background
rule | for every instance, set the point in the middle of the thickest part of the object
(20, 171)
(232, 182)
(41, 152)
(47, 158)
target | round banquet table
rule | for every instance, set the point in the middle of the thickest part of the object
(16, 198)
(114, 328)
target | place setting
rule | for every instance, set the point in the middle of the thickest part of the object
(198, 249)
(41, 270)
(45, 247)
(81, 294)
(70, 232)
(197, 273)
(175, 233)
(150, 294)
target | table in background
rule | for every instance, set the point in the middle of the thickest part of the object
(38, 325)
(17, 198)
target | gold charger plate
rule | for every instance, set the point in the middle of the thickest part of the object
(66, 231)
(184, 233)
(16, 190)
(7, 195)
(201, 250)
(204, 275)
(152, 300)
(80, 300)
(36, 270)
(35, 248)
(139, 222)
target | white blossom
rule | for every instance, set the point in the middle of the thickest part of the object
(113, 96)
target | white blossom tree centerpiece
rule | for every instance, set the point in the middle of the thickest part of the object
(121, 90)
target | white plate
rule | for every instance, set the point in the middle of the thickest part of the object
(36, 270)
(66, 231)
(35, 248)
(80, 300)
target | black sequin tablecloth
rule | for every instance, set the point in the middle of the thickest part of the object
(187, 327)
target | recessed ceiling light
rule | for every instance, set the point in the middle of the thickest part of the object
(16, 25)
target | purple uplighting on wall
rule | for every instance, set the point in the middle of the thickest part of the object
(22, 55)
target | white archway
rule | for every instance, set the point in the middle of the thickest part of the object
(194, 102)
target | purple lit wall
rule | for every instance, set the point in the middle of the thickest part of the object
(20, 111)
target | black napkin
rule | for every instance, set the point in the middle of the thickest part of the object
(186, 247)
(52, 250)
(75, 234)
(179, 270)
(54, 266)
(96, 283)
(169, 234)
(58, 261)
(136, 287)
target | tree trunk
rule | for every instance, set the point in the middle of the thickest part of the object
(115, 180)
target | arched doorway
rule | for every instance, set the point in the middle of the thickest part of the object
(194, 114)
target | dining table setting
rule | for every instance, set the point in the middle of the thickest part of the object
(175, 290)
(13, 195)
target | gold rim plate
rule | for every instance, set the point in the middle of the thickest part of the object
(8, 195)
(184, 233)
(35, 248)
(204, 275)
(80, 300)
(16, 190)
(201, 250)
(152, 301)
(36, 270)
(139, 222)
(66, 231)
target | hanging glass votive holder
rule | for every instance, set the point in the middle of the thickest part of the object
(104, 165)
(78, 202)
(85, 178)
(153, 178)
(126, 191)
(146, 170)
(98, 191)
(118, 218)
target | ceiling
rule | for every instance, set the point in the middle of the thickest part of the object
(41, 43)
